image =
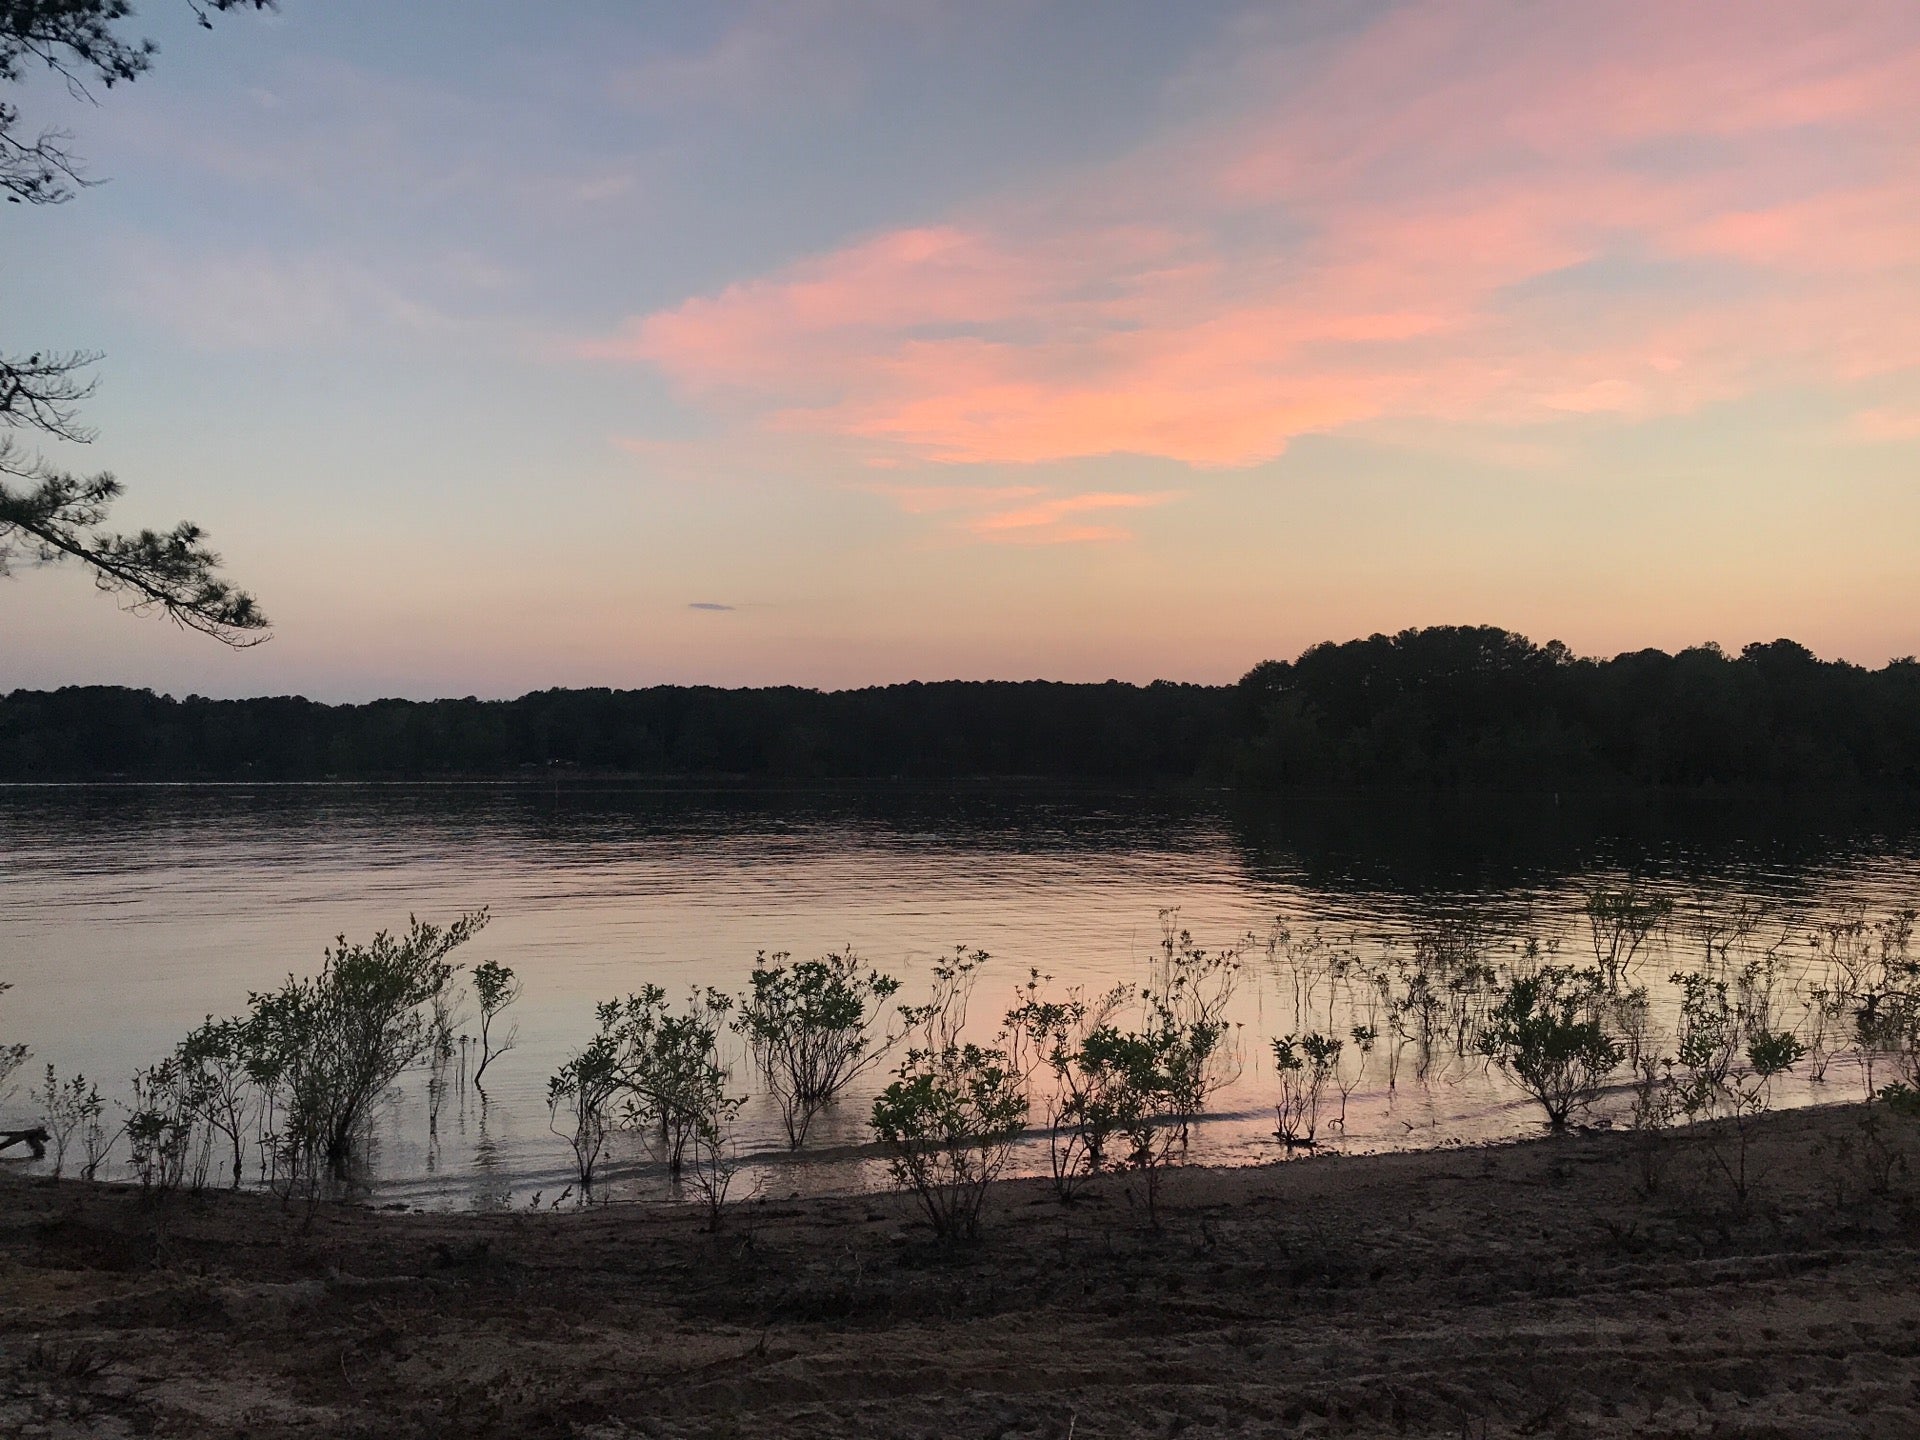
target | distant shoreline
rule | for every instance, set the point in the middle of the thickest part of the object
(640, 782)
(1445, 709)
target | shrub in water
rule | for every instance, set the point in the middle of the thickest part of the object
(1137, 1076)
(1079, 1116)
(1619, 922)
(656, 1071)
(1348, 1080)
(1886, 1000)
(329, 1046)
(1304, 1063)
(1123, 1097)
(811, 1028)
(712, 1160)
(496, 987)
(1188, 994)
(669, 1065)
(1545, 1032)
(583, 1092)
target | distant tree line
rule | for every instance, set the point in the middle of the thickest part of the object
(940, 731)
(1476, 706)
(1446, 707)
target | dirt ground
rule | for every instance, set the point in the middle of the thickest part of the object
(1531, 1289)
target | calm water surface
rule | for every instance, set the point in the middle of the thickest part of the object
(129, 914)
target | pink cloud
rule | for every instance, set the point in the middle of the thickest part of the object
(941, 499)
(1023, 514)
(1469, 214)
(1054, 521)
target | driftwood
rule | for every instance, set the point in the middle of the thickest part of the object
(34, 1139)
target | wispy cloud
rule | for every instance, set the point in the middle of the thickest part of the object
(1023, 514)
(709, 605)
(1471, 214)
(1060, 520)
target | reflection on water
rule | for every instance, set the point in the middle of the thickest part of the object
(129, 914)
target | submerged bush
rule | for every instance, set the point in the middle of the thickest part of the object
(327, 1047)
(1886, 1002)
(669, 1067)
(1079, 1117)
(810, 1026)
(1619, 922)
(657, 1072)
(1188, 995)
(1545, 1031)
(1123, 1094)
(496, 987)
(1304, 1063)
(949, 1119)
(583, 1091)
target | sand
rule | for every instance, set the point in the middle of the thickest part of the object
(1530, 1289)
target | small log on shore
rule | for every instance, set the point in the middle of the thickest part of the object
(34, 1139)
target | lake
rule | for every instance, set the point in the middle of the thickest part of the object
(127, 914)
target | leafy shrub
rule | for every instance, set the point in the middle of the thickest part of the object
(1123, 1095)
(1434, 995)
(442, 1006)
(1138, 1078)
(1303, 1064)
(1650, 1116)
(1887, 1004)
(160, 1127)
(670, 1067)
(1079, 1117)
(1348, 1080)
(655, 1071)
(1901, 1098)
(67, 1110)
(1870, 1162)
(1188, 995)
(495, 987)
(1620, 921)
(1545, 1032)
(329, 1046)
(584, 1090)
(712, 1160)
(949, 1119)
(219, 1072)
(810, 1026)
(1729, 1056)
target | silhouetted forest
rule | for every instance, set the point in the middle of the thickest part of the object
(1451, 707)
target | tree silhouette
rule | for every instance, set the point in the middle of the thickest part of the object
(49, 514)
(1448, 708)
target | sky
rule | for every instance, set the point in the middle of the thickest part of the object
(841, 342)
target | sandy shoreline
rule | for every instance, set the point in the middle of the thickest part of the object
(1528, 1289)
